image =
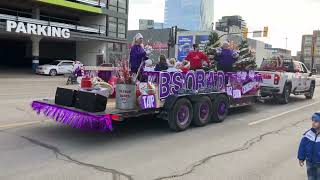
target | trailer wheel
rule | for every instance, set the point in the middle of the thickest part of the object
(181, 115)
(220, 108)
(202, 112)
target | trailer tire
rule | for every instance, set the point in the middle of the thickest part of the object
(202, 111)
(220, 109)
(181, 115)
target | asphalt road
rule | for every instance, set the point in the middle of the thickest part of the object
(256, 143)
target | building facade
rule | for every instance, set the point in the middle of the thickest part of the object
(231, 24)
(145, 24)
(40, 31)
(280, 52)
(310, 48)
(190, 14)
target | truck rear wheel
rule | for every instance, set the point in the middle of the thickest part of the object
(181, 115)
(202, 112)
(310, 94)
(285, 96)
(220, 108)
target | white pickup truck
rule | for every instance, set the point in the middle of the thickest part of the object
(284, 77)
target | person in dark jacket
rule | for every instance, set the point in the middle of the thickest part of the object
(137, 54)
(162, 65)
(309, 149)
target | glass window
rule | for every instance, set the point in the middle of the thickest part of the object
(117, 47)
(112, 34)
(122, 21)
(110, 46)
(66, 64)
(112, 27)
(113, 2)
(122, 28)
(120, 10)
(123, 4)
(123, 36)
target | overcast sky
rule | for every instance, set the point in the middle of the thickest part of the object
(285, 18)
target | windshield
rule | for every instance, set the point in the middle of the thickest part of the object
(55, 63)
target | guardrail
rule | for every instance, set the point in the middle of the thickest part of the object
(93, 2)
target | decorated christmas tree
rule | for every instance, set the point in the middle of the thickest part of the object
(247, 59)
(210, 50)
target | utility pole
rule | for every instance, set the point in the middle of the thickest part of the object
(313, 47)
(286, 42)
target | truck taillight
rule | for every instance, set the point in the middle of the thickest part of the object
(276, 79)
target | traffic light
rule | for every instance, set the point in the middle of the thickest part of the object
(245, 32)
(265, 31)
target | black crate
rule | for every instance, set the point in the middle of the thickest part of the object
(90, 102)
(65, 97)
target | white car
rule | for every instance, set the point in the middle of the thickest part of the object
(56, 67)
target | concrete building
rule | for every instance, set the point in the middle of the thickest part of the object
(145, 24)
(190, 14)
(307, 44)
(157, 39)
(186, 39)
(231, 24)
(280, 52)
(39, 31)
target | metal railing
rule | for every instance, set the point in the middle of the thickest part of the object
(93, 3)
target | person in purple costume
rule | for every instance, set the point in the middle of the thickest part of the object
(226, 57)
(137, 54)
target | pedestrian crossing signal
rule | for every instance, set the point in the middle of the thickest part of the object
(265, 31)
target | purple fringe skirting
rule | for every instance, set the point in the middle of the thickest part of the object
(74, 119)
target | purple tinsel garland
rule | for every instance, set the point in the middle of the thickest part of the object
(72, 118)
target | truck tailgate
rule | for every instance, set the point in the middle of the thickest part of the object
(267, 78)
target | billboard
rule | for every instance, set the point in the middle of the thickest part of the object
(184, 46)
(202, 40)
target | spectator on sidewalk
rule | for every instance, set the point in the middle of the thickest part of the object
(309, 149)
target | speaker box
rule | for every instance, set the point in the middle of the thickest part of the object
(90, 102)
(65, 97)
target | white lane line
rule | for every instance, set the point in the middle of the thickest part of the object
(281, 114)
(15, 125)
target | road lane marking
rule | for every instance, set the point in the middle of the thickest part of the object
(15, 125)
(281, 114)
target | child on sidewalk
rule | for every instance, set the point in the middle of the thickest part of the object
(309, 149)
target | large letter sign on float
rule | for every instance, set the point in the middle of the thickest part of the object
(170, 83)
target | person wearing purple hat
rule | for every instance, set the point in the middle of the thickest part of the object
(137, 54)
(309, 149)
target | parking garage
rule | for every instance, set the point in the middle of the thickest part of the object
(34, 33)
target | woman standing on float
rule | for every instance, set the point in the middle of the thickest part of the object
(137, 54)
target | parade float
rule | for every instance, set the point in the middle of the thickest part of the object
(181, 98)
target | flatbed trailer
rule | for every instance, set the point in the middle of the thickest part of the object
(180, 110)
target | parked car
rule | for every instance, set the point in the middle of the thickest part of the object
(56, 67)
(284, 77)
